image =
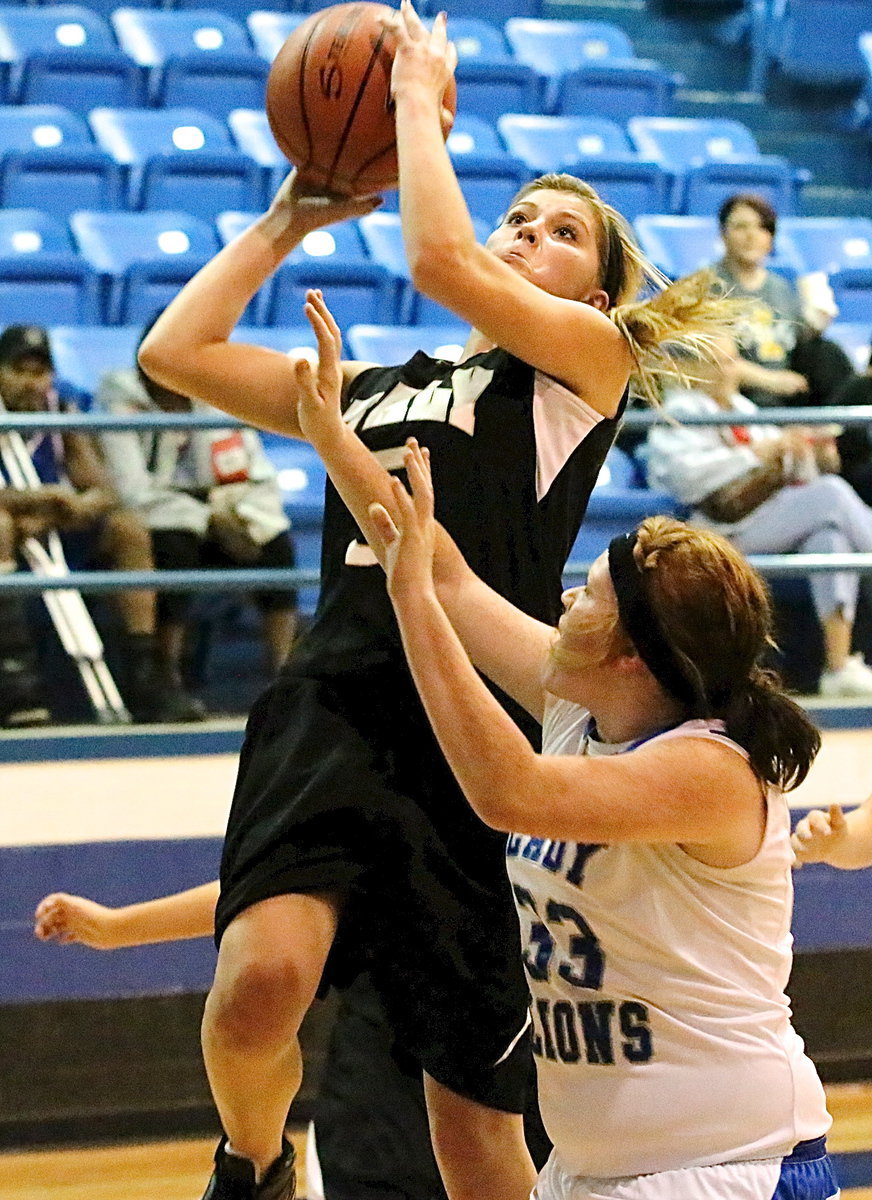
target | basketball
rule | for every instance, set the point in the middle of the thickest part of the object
(328, 100)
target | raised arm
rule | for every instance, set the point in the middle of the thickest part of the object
(566, 338)
(694, 792)
(188, 349)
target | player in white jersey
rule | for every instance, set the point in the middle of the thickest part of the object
(650, 858)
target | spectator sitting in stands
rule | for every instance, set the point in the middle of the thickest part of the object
(763, 488)
(770, 330)
(209, 498)
(76, 498)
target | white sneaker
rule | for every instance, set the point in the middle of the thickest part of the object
(853, 679)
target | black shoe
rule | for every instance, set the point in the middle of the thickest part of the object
(153, 694)
(22, 705)
(233, 1177)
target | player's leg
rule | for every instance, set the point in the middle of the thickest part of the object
(481, 1151)
(269, 967)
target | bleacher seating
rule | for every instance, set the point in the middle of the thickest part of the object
(48, 160)
(64, 54)
(143, 258)
(589, 67)
(814, 41)
(679, 245)
(841, 247)
(618, 502)
(355, 287)
(198, 57)
(596, 149)
(40, 272)
(269, 29)
(178, 158)
(711, 159)
(84, 353)
(383, 237)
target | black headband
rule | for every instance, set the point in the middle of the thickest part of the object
(640, 621)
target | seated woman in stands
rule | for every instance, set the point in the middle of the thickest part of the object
(771, 491)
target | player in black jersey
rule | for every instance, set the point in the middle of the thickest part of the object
(349, 846)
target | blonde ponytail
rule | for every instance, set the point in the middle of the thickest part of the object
(670, 329)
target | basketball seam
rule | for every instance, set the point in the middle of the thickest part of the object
(353, 113)
(301, 88)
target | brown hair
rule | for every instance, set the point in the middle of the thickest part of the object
(761, 206)
(714, 610)
(675, 320)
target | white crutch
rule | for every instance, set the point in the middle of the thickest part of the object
(70, 616)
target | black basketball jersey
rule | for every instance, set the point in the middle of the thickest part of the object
(514, 455)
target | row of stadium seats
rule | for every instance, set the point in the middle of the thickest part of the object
(67, 53)
(120, 267)
(185, 159)
(810, 41)
(84, 353)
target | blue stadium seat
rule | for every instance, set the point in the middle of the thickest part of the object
(84, 353)
(842, 248)
(48, 160)
(390, 344)
(143, 258)
(854, 337)
(830, 244)
(252, 134)
(178, 158)
(490, 80)
(196, 57)
(41, 276)
(679, 245)
(65, 54)
(383, 237)
(816, 41)
(334, 260)
(588, 67)
(595, 148)
(618, 503)
(269, 30)
(711, 159)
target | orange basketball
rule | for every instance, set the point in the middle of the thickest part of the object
(328, 100)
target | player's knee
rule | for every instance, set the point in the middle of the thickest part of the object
(256, 1006)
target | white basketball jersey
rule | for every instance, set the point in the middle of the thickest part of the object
(662, 1031)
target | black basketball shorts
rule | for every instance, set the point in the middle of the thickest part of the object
(342, 787)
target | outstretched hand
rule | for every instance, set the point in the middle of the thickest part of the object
(319, 392)
(408, 535)
(818, 834)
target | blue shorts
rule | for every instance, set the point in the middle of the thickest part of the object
(806, 1174)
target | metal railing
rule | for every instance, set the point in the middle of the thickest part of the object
(251, 578)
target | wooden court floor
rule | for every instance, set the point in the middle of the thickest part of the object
(178, 1170)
